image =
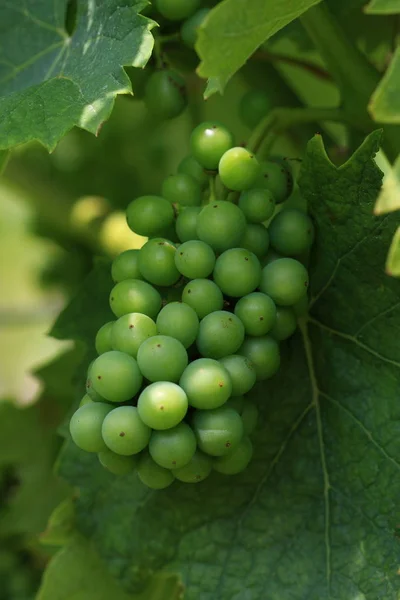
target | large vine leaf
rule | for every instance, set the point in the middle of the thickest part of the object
(51, 81)
(382, 7)
(315, 514)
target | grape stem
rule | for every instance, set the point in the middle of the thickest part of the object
(172, 37)
(213, 194)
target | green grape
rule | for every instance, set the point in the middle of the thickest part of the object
(301, 307)
(191, 25)
(85, 400)
(237, 272)
(271, 256)
(220, 333)
(291, 232)
(130, 331)
(249, 416)
(257, 312)
(103, 338)
(236, 461)
(204, 296)
(208, 142)
(190, 166)
(206, 383)
(186, 223)
(116, 376)
(162, 405)
(85, 426)
(125, 266)
(182, 189)
(162, 358)
(149, 215)
(253, 106)
(256, 240)
(277, 178)
(173, 448)
(152, 475)
(196, 470)
(238, 169)
(257, 204)
(263, 352)
(195, 259)
(237, 403)
(133, 295)
(218, 431)
(116, 463)
(157, 262)
(90, 391)
(124, 432)
(221, 224)
(285, 280)
(177, 10)
(180, 321)
(165, 94)
(285, 324)
(241, 371)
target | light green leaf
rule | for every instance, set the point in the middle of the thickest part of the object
(51, 81)
(4, 156)
(393, 259)
(389, 196)
(383, 7)
(234, 29)
(384, 105)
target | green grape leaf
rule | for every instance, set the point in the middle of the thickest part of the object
(54, 81)
(234, 29)
(384, 105)
(4, 156)
(315, 514)
(383, 7)
(393, 259)
(389, 196)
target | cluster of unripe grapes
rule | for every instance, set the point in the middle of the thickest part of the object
(200, 311)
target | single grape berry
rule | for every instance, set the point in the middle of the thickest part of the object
(186, 223)
(173, 448)
(220, 333)
(218, 431)
(277, 178)
(162, 358)
(125, 266)
(204, 296)
(130, 331)
(162, 405)
(165, 94)
(221, 224)
(241, 371)
(256, 239)
(191, 25)
(291, 232)
(247, 410)
(237, 272)
(103, 338)
(263, 352)
(238, 169)
(206, 383)
(257, 311)
(135, 296)
(285, 280)
(116, 463)
(182, 189)
(157, 262)
(208, 142)
(257, 204)
(190, 166)
(196, 470)
(285, 324)
(85, 426)
(177, 10)
(236, 461)
(195, 259)
(124, 432)
(85, 400)
(253, 106)
(116, 376)
(152, 475)
(180, 321)
(149, 215)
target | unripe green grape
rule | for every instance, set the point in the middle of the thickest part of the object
(103, 338)
(249, 416)
(186, 223)
(270, 257)
(133, 295)
(237, 403)
(256, 240)
(254, 106)
(241, 371)
(218, 431)
(263, 352)
(165, 94)
(162, 405)
(162, 358)
(85, 426)
(116, 376)
(204, 296)
(149, 215)
(257, 204)
(177, 10)
(236, 461)
(173, 448)
(152, 475)
(257, 311)
(291, 232)
(285, 280)
(221, 224)
(116, 463)
(190, 166)
(237, 272)
(191, 25)
(208, 142)
(206, 383)
(157, 262)
(90, 391)
(196, 470)
(85, 400)
(195, 259)
(182, 189)
(285, 324)
(130, 331)
(125, 266)
(276, 178)
(220, 333)
(124, 432)
(180, 321)
(238, 169)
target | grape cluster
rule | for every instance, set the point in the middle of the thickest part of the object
(200, 310)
